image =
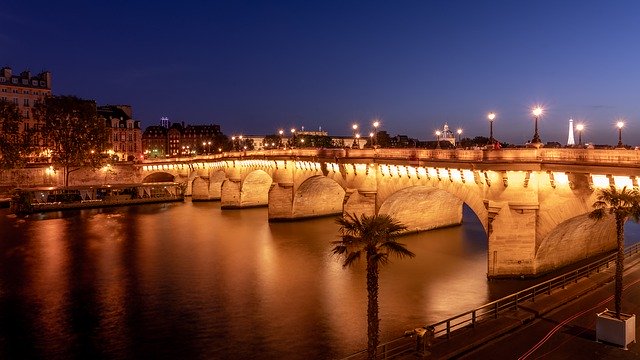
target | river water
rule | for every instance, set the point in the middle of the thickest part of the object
(189, 281)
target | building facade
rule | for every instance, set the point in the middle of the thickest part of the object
(179, 140)
(26, 90)
(124, 136)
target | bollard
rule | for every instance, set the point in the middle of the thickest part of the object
(420, 340)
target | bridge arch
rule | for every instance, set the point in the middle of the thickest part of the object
(573, 240)
(318, 196)
(252, 191)
(422, 208)
(158, 177)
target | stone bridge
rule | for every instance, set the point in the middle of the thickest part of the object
(533, 203)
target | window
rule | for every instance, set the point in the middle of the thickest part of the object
(34, 82)
(14, 80)
(115, 137)
(4, 90)
(42, 83)
(26, 102)
(15, 91)
(26, 113)
(3, 79)
(25, 81)
(25, 92)
(130, 137)
(15, 101)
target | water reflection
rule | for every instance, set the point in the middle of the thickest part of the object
(192, 281)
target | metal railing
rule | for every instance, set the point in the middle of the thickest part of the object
(511, 302)
(390, 349)
(444, 329)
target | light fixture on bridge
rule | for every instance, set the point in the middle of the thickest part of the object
(620, 125)
(580, 127)
(537, 112)
(438, 133)
(491, 117)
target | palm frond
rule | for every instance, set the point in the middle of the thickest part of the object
(397, 249)
(351, 258)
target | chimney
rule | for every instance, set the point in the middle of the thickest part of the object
(6, 72)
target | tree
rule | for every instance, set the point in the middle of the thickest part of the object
(14, 146)
(71, 127)
(373, 236)
(623, 205)
(274, 139)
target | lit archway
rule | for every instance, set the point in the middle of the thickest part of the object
(159, 177)
(422, 208)
(318, 196)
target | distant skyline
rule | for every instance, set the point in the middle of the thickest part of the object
(254, 66)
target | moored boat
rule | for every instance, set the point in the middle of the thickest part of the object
(39, 199)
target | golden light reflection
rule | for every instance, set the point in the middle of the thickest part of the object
(432, 172)
(561, 178)
(456, 175)
(600, 181)
(444, 174)
(468, 176)
(622, 181)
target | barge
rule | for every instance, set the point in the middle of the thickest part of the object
(40, 199)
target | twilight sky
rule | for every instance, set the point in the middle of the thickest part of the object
(256, 66)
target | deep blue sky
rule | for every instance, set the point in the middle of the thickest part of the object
(256, 66)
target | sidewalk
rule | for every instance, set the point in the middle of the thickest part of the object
(518, 329)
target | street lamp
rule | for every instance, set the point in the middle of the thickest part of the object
(459, 131)
(357, 141)
(280, 132)
(579, 127)
(375, 132)
(293, 137)
(620, 124)
(537, 111)
(438, 139)
(491, 117)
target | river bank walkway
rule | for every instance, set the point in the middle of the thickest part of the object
(560, 325)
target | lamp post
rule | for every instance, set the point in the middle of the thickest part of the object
(459, 131)
(438, 139)
(620, 125)
(371, 134)
(491, 117)
(579, 127)
(537, 111)
(293, 137)
(375, 132)
(233, 141)
(280, 132)
(355, 129)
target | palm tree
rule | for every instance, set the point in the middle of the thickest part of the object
(373, 236)
(623, 205)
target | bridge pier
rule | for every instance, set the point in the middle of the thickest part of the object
(281, 202)
(512, 240)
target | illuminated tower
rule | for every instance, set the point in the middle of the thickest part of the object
(164, 122)
(570, 141)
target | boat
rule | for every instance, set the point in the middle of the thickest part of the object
(41, 199)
